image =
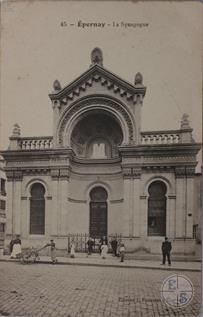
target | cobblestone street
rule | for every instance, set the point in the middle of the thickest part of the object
(79, 291)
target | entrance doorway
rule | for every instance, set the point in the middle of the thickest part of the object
(98, 212)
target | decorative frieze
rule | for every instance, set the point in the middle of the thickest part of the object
(190, 171)
(55, 174)
(14, 175)
(180, 171)
(185, 171)
(64, 173)
(132, 172)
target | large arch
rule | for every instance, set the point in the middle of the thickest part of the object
(108, 105)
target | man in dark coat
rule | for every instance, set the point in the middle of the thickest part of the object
(90, 244)
(114, 244)
(166, 249)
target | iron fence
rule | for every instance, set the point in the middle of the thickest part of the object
(80, 241)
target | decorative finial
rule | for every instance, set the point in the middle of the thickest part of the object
(57, 85)
(138, 79)
(16, 130)
(97, 56)
(185, 122)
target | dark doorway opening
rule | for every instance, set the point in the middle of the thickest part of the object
(98, 212)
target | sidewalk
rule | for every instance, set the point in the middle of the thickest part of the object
(110, 261)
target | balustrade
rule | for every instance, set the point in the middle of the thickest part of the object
(35, 143)
(149, 138)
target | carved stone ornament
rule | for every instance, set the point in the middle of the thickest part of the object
(55, 173)
(97, 56)
(127, 172)
(94, 101)
(190, 171)
(64, 173)
(56, 85)
(180, 171)
(136, 172)
(16, 130)
(185, 122)
(138, 79)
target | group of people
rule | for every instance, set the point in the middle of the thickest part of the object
(118, 249)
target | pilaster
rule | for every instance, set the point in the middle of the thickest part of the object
(55, 198)
(180, 202)
(189, 201)
(171, 217)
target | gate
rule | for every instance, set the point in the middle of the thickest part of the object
(80, 241)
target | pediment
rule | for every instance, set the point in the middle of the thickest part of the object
(99, 74)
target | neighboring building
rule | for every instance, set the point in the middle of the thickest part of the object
(100, 173)
(2, 203)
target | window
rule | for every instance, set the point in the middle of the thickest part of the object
(157, 209)
(3, 188)
(37, 209)
(2, 205)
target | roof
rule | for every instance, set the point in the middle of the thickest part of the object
(99, 74)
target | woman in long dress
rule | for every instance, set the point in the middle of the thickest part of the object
(16, 250)
(104, 250)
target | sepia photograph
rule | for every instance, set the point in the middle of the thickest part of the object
(101, 158)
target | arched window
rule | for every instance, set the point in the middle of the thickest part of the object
(98, 212)
(37, 209)
(157, 209)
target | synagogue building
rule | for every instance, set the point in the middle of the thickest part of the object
(99, 174)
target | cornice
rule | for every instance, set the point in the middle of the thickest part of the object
(98, 74)
(160, 149)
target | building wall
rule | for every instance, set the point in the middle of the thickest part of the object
(2, 203)
(67, 209)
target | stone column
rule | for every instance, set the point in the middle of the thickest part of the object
(136, 201)
(128, 207)
(180, 202)
(55, 202)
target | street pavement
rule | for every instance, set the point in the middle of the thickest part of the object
(47, 290)
(96, 260)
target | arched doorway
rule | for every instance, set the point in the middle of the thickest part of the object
(98, 212)
(157, 209)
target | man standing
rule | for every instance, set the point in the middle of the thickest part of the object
(114, 245)
(90, 244)
(53, 251)
(166, 249)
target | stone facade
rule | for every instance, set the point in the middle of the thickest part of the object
(2, 204)
(97, 142)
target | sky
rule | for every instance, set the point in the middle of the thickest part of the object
(36, 49)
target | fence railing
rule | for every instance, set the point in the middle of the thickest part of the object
(41, 143)
(161, 137)
(80, 241)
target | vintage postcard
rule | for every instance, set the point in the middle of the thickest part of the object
(100, 158)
